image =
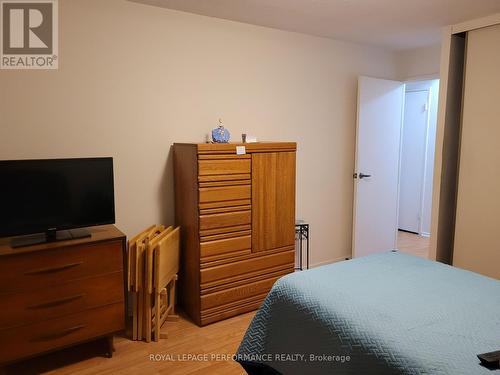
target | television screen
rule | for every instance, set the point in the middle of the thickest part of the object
(55, 194)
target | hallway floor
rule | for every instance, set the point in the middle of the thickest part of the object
(413, 244)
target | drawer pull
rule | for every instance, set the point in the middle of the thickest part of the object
(56, 335)
(57, 302)
(53, 269)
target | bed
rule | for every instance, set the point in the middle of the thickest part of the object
(389, 313)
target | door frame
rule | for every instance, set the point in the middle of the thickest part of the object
(425, 81)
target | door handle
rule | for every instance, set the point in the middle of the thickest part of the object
(362, 175)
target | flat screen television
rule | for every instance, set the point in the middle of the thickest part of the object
(51, 198)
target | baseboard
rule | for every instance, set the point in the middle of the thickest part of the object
(425, 234)
(339, 259)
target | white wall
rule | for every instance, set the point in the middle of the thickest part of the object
(419, 62)
(134, 78)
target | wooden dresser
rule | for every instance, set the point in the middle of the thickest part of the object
(58, 294)
(237, 214)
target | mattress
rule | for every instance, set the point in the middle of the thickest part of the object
(389, 313)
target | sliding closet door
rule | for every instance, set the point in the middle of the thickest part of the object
(477, 231)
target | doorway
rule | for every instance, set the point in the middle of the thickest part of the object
(395, 137)
(417, 166)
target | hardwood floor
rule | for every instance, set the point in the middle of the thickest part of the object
(413, 244)
(133, 357)
(185, 338)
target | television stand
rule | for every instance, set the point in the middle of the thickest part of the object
(59, 294)
(49, 236)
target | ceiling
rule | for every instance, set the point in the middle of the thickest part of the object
(392, 24)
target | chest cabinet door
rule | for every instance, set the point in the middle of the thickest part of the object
(273, 200)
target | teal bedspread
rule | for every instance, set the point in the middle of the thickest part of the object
(388, 313)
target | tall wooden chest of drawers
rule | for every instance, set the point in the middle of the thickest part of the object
(237, 214)
(58, 294)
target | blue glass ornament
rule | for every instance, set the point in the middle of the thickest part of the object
(220, 134)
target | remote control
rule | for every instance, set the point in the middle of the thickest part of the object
(490, 359)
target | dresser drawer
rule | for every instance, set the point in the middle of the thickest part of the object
(243, 268)
(40, 304)
(243, 306)
(30, 271)
(39, 337)
(223, 167)
(235, 294)
(225, 193)
(237, 203)
(227, 219)
(225, 247)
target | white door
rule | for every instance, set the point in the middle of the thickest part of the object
(413, 149)
(378, 140)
